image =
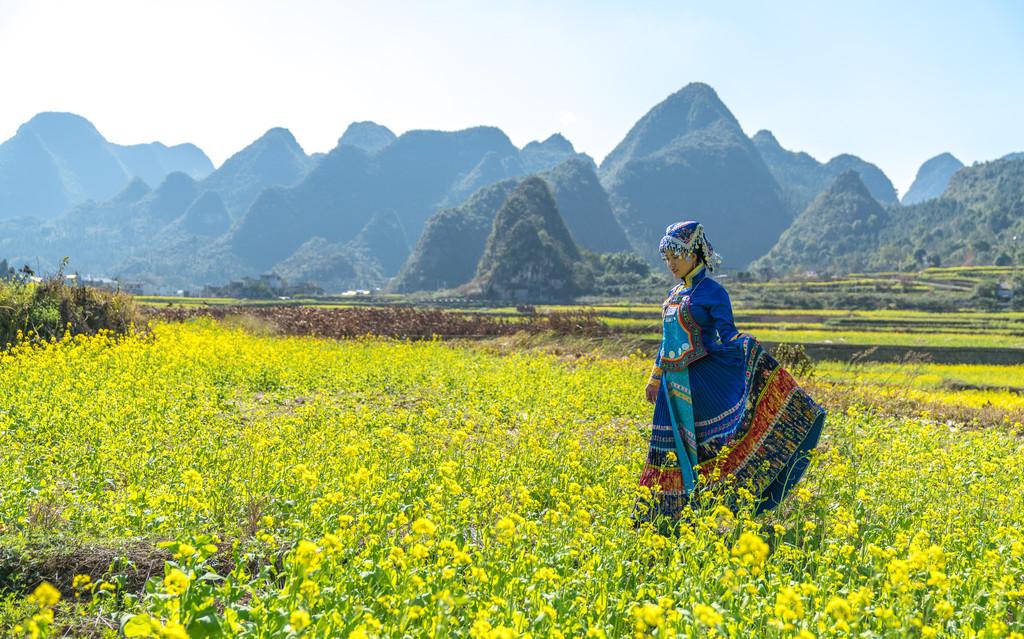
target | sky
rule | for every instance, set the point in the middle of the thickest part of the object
(894, 82)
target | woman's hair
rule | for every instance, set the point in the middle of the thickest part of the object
(701, 259)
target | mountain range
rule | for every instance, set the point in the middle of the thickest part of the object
(59, 160)
(977, 220)
(411, 177)
(802, 178)
(419, 211)
(455, 239)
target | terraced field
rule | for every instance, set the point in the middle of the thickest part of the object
(906, 329)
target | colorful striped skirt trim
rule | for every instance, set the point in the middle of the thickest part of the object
(767, 451)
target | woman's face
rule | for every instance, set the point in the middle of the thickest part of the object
(680, 265)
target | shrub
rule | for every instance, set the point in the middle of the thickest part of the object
(48, 308)
(795, 359)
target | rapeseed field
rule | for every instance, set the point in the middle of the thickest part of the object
(301, 487)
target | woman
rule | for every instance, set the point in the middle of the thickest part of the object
(724, 407)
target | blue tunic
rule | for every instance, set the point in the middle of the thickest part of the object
(717, 380)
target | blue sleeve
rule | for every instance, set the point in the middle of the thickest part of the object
(661, 318)
(720, 308)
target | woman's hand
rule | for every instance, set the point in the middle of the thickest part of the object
(651, 392)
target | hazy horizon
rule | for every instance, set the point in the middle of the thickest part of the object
(894, 85)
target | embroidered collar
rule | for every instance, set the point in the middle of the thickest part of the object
(695, 276)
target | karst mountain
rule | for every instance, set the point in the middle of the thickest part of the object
(417, 212)
(688, 158)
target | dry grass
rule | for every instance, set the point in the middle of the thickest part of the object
(389, 321)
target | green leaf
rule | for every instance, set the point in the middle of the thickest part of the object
(205, 625)
(138, 626)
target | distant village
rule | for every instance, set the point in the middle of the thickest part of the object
(266, 286)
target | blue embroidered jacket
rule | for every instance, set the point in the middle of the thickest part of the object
(710, 308)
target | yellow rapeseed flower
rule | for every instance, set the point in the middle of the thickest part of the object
(707, 615)
(505, 528)
(174, 631)
(944, 609)
(176, 582)
(309, 590)
(651, 614)
(424, 526)
(789, 605)
(299, 620)
(750, 549)
(45, 595)
(307, 556)
(839, 609)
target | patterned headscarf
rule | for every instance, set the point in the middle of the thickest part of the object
(683, 238)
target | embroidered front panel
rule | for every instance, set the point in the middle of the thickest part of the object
(681, 335)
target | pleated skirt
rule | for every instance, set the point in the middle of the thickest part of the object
(755, 428)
